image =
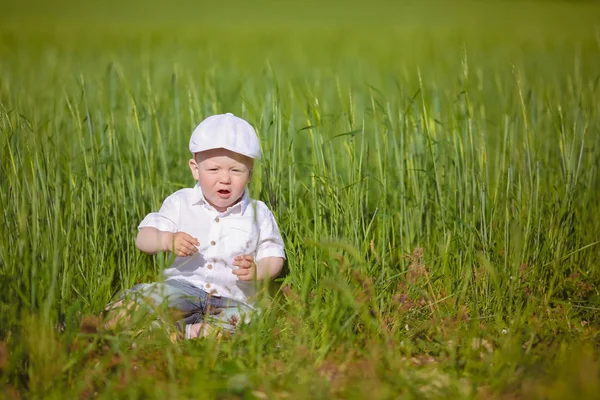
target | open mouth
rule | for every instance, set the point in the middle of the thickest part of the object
(223, 193)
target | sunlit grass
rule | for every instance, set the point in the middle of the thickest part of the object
(434, 174)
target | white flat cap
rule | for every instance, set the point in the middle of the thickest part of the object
(225, 131)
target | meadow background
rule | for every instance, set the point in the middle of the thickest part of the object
(433, 167)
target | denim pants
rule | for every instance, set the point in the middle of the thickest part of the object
(194, 304)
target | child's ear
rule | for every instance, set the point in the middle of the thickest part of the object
(195, 169)
(250, 176)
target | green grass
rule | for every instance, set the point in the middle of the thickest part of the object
(433, 169)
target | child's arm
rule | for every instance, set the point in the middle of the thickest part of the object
(266, 268)
(151, 241)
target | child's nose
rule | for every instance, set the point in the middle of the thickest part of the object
(224, 177)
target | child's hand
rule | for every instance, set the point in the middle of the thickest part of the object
(183, 245)
(247, 267)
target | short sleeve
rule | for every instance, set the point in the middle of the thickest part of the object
(167, 218)
(270, 243)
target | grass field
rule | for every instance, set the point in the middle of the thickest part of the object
(433, 168)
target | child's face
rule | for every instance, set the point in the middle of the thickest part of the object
(222, 175)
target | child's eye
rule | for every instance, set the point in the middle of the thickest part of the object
(212, 169)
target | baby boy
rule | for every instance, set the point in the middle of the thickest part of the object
(222, 239)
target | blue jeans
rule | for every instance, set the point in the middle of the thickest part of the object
(194, 304)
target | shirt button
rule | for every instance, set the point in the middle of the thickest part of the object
(209, 266)
(217, 219)
(208, 285)
(213, 243)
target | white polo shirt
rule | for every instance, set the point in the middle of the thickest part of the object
(248, 227)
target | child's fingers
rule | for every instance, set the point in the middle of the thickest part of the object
(186, 249)
(239, 272)
(187, 238)
(190, 239)
(180, 253)
(191, 245)
(184, 252)
(244, 261)
(194, 241)
(243, 264)
(243, 274)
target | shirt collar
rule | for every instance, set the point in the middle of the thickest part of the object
(237, 208)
